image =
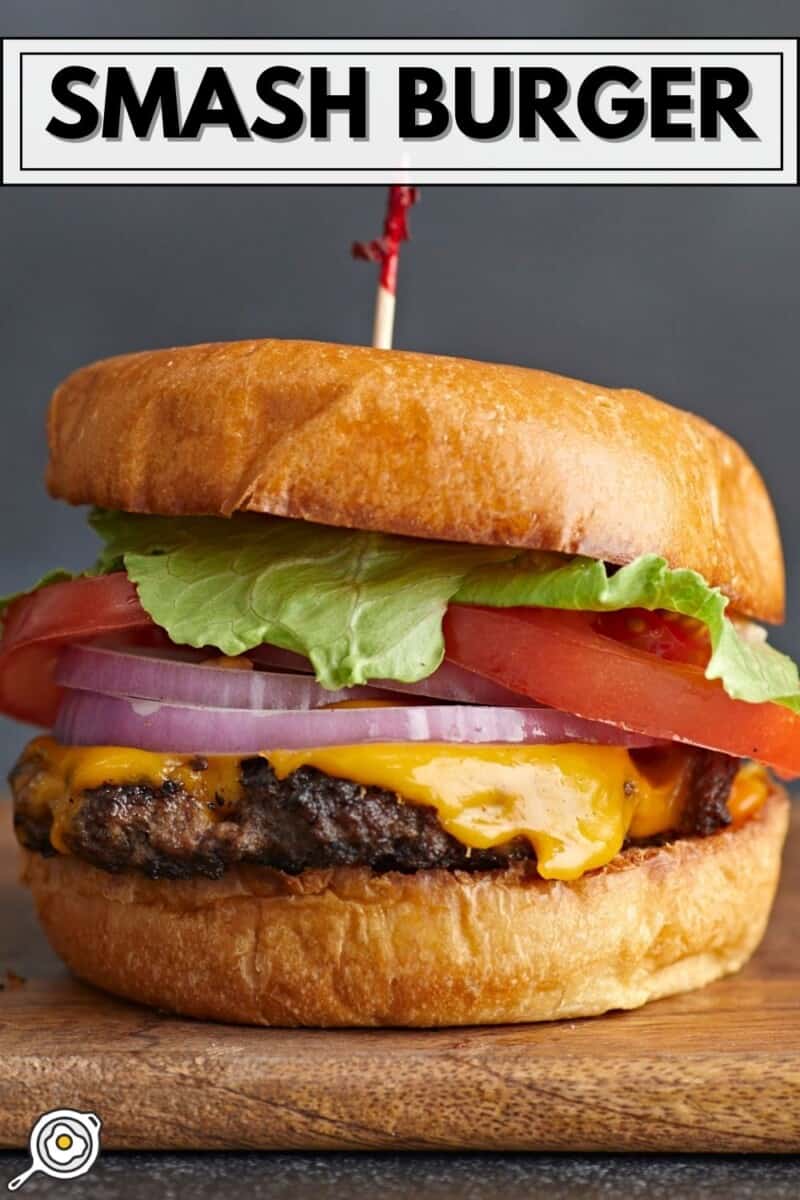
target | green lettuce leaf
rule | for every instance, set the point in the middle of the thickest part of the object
(367, 606)
(359, 605)
(749, 670)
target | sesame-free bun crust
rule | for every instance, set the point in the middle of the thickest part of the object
(348, 947)
(417, 444)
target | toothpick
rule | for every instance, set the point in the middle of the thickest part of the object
(386, 251)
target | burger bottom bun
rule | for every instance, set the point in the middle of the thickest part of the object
(348, 947)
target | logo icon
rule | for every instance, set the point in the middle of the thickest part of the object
(63, 1144)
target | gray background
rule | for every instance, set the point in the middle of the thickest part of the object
(689, 293)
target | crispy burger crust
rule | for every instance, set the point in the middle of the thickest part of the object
(417, 444)
(347, 947)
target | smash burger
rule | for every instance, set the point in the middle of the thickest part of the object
(405, 690)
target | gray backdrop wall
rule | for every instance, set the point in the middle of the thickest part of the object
(689, 293)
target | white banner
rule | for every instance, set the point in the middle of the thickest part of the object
(519, 111)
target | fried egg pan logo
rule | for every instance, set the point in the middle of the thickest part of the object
(63, 1144)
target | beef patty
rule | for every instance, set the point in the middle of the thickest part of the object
(307, 820)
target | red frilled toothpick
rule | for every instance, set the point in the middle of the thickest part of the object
(386, 251)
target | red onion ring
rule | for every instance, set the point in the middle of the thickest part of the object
(280, 660)
(151, 675)
(448, 682)
(90, 719)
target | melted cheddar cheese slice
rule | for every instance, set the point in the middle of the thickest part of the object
(576, 804)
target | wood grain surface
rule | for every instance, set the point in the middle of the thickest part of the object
(717, 1070)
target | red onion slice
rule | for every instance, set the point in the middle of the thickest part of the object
(150, 675)
(280, 660)
(89, 719)
(448, 682)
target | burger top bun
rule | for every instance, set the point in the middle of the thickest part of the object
(417, 444)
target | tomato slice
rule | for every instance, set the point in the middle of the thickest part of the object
(561, 659)
(36, 626)
(669, 635)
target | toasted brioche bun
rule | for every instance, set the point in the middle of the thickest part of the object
(417, 444)
(349, 947)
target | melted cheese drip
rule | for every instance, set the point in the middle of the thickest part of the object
(575, 804)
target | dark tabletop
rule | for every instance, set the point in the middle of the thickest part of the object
(138, 1176)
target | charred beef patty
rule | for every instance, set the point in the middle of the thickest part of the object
(307, 820)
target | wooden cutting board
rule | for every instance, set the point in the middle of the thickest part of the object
(717, 1070)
